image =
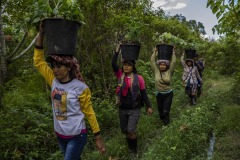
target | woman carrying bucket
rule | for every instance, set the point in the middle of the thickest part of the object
(200, 66)
(190, 75)
(163, 62)
(71, 101)
(130, 92)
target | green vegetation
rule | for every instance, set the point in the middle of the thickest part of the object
(67, 9)
(26, 127)
(168, 38)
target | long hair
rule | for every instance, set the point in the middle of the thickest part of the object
(69, 61)
(132, 63)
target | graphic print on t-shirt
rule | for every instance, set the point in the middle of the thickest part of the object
(59, 104)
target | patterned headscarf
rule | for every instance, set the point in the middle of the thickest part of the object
(70, 61)
(167, 62)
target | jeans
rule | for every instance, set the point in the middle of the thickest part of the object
(72, 147)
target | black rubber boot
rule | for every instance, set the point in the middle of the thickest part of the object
(194, 100)
(199, 91)
(132, 145)
(166, 121)
(190, 100)
(166, 118)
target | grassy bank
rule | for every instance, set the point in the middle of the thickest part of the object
(187, 136)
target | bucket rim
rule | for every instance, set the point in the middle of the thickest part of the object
(163, 44)
(130, 45)
(191, 50)
(59, 18)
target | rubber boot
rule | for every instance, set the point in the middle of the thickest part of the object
(190, 100)
(166, 118)
(132, 145)
(166, 121)
(194, 100)
(199, 91)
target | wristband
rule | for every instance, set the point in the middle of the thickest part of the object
(97, 133)
(38, 47)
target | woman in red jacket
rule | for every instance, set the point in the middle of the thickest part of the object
(130, 90)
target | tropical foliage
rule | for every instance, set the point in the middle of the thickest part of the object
(227, 13)
(67, 9)
(26, 129)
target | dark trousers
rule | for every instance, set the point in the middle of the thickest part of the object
(199, 90)
(164, 102)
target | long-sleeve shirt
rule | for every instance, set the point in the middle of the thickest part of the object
(200, 67)
(190, 74)
(163, 79)
(118, 73)
(71, 101)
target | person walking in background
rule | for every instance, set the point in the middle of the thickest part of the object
(163, 72)
(130, 91)
(71, 101)
(200, 66)
(190, 78)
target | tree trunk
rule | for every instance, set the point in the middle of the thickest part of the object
(3, 61)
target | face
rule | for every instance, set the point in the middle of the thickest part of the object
(127, 68)
(61, 72)
(195, 59)
(189, 63)
(162, 66)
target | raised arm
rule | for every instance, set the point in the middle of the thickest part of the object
(153, 59)
(182, 60)
(173, 63)
(39, 60)
(114, 59)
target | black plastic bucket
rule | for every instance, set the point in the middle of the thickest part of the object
(190, 53)
(130, 51)
(61, 36)
(165, 51)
